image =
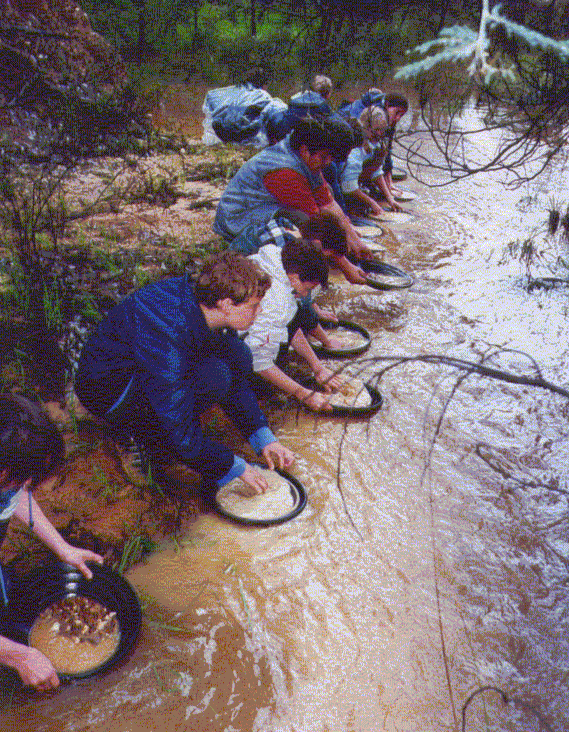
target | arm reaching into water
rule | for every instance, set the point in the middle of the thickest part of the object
(44, 530)
(322, 374)
(382, 183)
(277, 377)
(355, 244)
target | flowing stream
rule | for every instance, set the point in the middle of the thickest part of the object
(435, 563)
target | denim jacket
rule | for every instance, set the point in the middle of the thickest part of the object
(246, 201)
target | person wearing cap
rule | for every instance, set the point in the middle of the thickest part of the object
(283, 179)
(31, 449)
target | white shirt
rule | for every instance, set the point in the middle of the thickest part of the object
(278, 308)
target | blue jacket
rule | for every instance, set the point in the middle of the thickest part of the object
(153, 339)
(352, 110)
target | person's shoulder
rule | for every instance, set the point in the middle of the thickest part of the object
(165, 300)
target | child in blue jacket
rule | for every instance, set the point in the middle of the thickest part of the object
(167, 353)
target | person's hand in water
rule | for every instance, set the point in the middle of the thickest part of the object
(277, 455)
(254, 482)
(326, 315)
(328, 379)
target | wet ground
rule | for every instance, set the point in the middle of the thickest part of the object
(433, 564)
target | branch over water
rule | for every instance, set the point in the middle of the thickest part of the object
(471, 367)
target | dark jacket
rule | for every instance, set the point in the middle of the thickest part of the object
(158, 335)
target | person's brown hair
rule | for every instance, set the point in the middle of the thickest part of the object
(30, 443)
(326, 229)
(301, 257)
(357, 131)
(328, 133)
(396, 100)
(230, 275)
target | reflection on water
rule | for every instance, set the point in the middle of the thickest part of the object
(399, 591)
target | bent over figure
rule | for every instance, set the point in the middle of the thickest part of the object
(31, 449)
(167, 353)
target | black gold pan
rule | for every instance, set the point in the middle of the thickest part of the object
(383, 276)
(298, 494)
(321, 350)
(345, 411)
(46, 585)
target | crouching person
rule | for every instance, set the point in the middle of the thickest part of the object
(31, 448)
(164, 355)
(295, 270)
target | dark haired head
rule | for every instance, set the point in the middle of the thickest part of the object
(30, 444)
(341, 138)
(357, 131)
(323, 133)
(230, 275)
(396, 100)
(301, 257)
(325, 228)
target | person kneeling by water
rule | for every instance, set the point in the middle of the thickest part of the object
(163, 356)
(31, 448)
(280, 181)
(295, 270)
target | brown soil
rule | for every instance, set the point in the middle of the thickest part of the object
(163, 206)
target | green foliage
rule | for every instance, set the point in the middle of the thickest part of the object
(451, 46)
(52, 306)
(16, 293)
(14, 371)
(134, 549)
(486, 58)
(214, 41)
(106, 489)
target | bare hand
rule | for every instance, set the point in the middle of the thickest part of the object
(77, 557)
(393, 205)
(361, 251)
(332, 343)
(356, 276)
(328, 379)
(254, 482)
(317, 402)
(36, 670)
(275, 452)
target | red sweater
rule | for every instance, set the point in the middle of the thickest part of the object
(292, 190)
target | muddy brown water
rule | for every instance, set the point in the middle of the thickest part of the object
(419, 575)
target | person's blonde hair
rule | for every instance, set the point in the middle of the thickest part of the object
(230, 275)
(371, 115)
(322, 84)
